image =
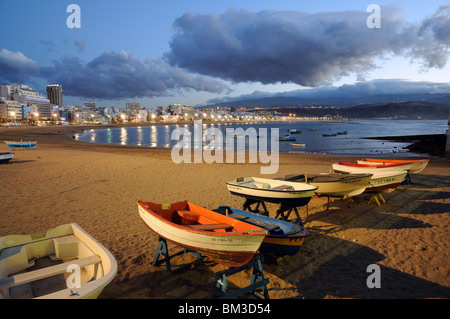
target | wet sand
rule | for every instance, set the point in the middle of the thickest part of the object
(97, 186)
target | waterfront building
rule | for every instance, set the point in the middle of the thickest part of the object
(133, 107)
(25, 95)
(10, 110)
(90, 105)
(55, 94)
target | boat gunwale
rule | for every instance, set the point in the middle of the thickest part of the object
(250, 232)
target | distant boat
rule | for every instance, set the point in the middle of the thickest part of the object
(299, 145)
(272, 190)
(294, 131)
(20, 144)
(342, 133)
(313, 129)
(416, 165)
(287, 138)
(284, 238)
(228, 241)
(331, 134)
(343, 167)
(335, 185)
(6, 157)
(33, 266)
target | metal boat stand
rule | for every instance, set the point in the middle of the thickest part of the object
(289, 209)
(249, 202)
(257, 281)
(376, 199)
(164, 251)
(346, 202)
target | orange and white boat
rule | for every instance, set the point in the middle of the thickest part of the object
(228, 241)
(416, 165)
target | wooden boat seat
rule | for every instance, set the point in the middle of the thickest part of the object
(34, 275)
(210, 226)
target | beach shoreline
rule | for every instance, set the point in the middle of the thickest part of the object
(97, 186)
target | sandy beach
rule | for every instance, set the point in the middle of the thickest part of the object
(96, 186)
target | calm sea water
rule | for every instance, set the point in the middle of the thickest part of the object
(352, 143)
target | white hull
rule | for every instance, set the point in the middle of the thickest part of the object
(384, 181)
(416, 165)
(342, 188)
(68, 243)
(340, 168)
(271, 190)
(6, 157)
(228, 248)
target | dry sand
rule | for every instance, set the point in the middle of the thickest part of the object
(97, 186)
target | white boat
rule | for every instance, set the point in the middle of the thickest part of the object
(299, 145)
(272, 190)
(416, 165)
(343, 167)
(287, 138)
(5, 157)
(61, 263)
(335, 185)
(386, 181)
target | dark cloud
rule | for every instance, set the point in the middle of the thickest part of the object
(307, 49)
(80, 45)
(15, 67)
(380, 87)
(122, 75)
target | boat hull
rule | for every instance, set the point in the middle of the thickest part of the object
(6, 157)
(416, 165)
(284, 238)
(356, 168)
(231, 249)
(336, 185)
(265, 190)
(386, 181)
(20, 145)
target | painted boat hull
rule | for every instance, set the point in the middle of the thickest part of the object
(299, 145)
(416, 165)
(6, 157)
(335, 185)
(20, 145)
(265, 190)
(284, 238)
(355, 168)
(66, 242)
(232, 249)
(386, 181)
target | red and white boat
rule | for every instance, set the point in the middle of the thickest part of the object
(416, 165)
(354, 168)
(386, 181)
(228, 241)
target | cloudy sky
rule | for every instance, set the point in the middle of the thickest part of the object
(197, 51)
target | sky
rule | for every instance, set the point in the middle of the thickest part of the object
(201, 51)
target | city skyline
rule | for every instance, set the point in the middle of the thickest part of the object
(197, 52)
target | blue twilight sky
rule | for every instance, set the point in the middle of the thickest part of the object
(201, 51)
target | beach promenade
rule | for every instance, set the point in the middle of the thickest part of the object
(97, 186)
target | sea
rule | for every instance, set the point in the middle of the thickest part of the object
(346, 137)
